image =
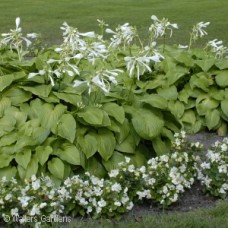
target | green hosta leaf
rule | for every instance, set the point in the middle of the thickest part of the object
(92, 115)
(23, 158)
(28, 127)
(24, 141)
(5, 81)
(206, 104)
(202, 81)
(69, 97)
(116, 111)
(5, 160)
(221, 63)
(50, 115)
(124, 131)
(222, 78)
(106, 120)
(7, 124)
(212, 119)
(19, 116)
(106, 143)
(217, 94)
(33, 110)
(5, 103)
(88, 144)
(129, 144)
(222, 130)
(189, 117)
(184, 57)
(155, 100)
(42, 153)
(176, 73)
(185, 93)
(39, 90)
(67, 127)
(160, 146)
(17, 95)
(8, 172)
(169, 93)
(177, 108)
(205, 64)
(224, 107)
(40, 134)
(115, 126)
(32, 167)
(147, 124)
(70, 153)
(56, 168)
(158, 82)
(8, 139)
(95, 167)
(113, 162)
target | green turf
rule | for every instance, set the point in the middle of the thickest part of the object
(212, 217)
(46, 16)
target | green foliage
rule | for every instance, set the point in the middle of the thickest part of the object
(85, 104)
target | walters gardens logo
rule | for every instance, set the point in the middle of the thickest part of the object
(35, 219)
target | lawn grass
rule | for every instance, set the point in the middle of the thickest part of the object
(46, 17)
(213, 217)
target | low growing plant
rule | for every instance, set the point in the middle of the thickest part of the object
(213, 171)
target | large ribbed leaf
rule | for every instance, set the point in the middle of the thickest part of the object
(88, 143)
(155, 100)
(222, 78)
(169, 93)
(224, 106)
(106, 143)
(160, 146)
(147, 124)
(5, 160)
(50, 115)
(17, 95)
(4, 104)
(7, 124)
(212, 119)
(70, 153)
(39, 90)
(67, 127)
(32, 167)
(42, 153)
(92, 115)
(116, 111)
(23, 158)
(206, 104)
(5, 81)
(56, 168)
(177, 108)
(205, 64)
(8, 139)
(68, 97)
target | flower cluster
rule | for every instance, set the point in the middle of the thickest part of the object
(213, 171)
(159, 27)
(15, 39)
(217, 47)
(162, 180)
(33, 198)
